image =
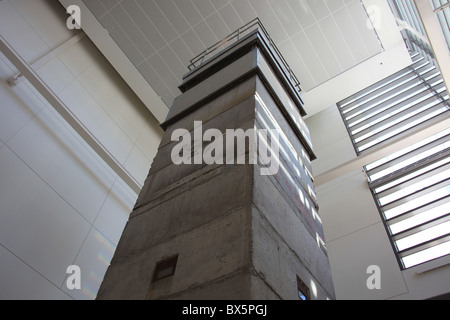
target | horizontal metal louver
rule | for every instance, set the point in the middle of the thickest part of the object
(402, 103)
(412, 190)
(442, 9)
(411, 187)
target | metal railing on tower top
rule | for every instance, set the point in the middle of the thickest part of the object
(234, 37)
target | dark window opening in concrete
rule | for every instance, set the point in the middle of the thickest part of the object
(165, 268)
(303, 290)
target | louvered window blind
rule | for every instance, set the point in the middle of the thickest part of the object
(442, 10)
(390, 109)
(412, 191)
(411, 187)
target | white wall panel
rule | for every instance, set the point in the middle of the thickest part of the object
(60, 203)
(37, 225)
(330, 140)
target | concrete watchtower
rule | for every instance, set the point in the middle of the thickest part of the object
(225, 230)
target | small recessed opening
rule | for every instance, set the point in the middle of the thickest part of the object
(165, 268)
(302, 290)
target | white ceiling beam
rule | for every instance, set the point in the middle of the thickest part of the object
(112, 52)
(27, 71)
(42, 61)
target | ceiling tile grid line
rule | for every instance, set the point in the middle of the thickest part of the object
(318, 21)
(122, 39)
(164, 63)
(356, 28)
(309, 39)
(314, 20)
(347, 45)
(177, 75)
(191, 26)
(170, 88)
(119, 15)
(321, 38)
(327, 42)
(297, 63)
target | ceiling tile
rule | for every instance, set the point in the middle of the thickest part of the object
(159, 20)
(302, 12)
(154, 79)
(334, 5)
(219, 3)
(337, 42)
(176, 65)
(109, 4)
(286, 16)
(364, 27)
(143, 23)
(231, 18)
(121, 39)
(192, 41)
(173, 15)
(162, 67)
(97, 8)
(296, 63)
(189, 11)
(205, 34)
(182, 51)
(132, 31)
(309, 55)
(205, 7)
(318, 8)
(353, 40)
(269, 19)
(323, 50)
(244, 10)
(217, 25)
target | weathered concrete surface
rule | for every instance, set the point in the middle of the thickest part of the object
(209, 256)
(217, 82)
(279, 236)
(233, 109)
(240, 116)
(237, 234)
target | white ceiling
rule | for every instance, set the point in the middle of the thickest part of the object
(320, 39)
